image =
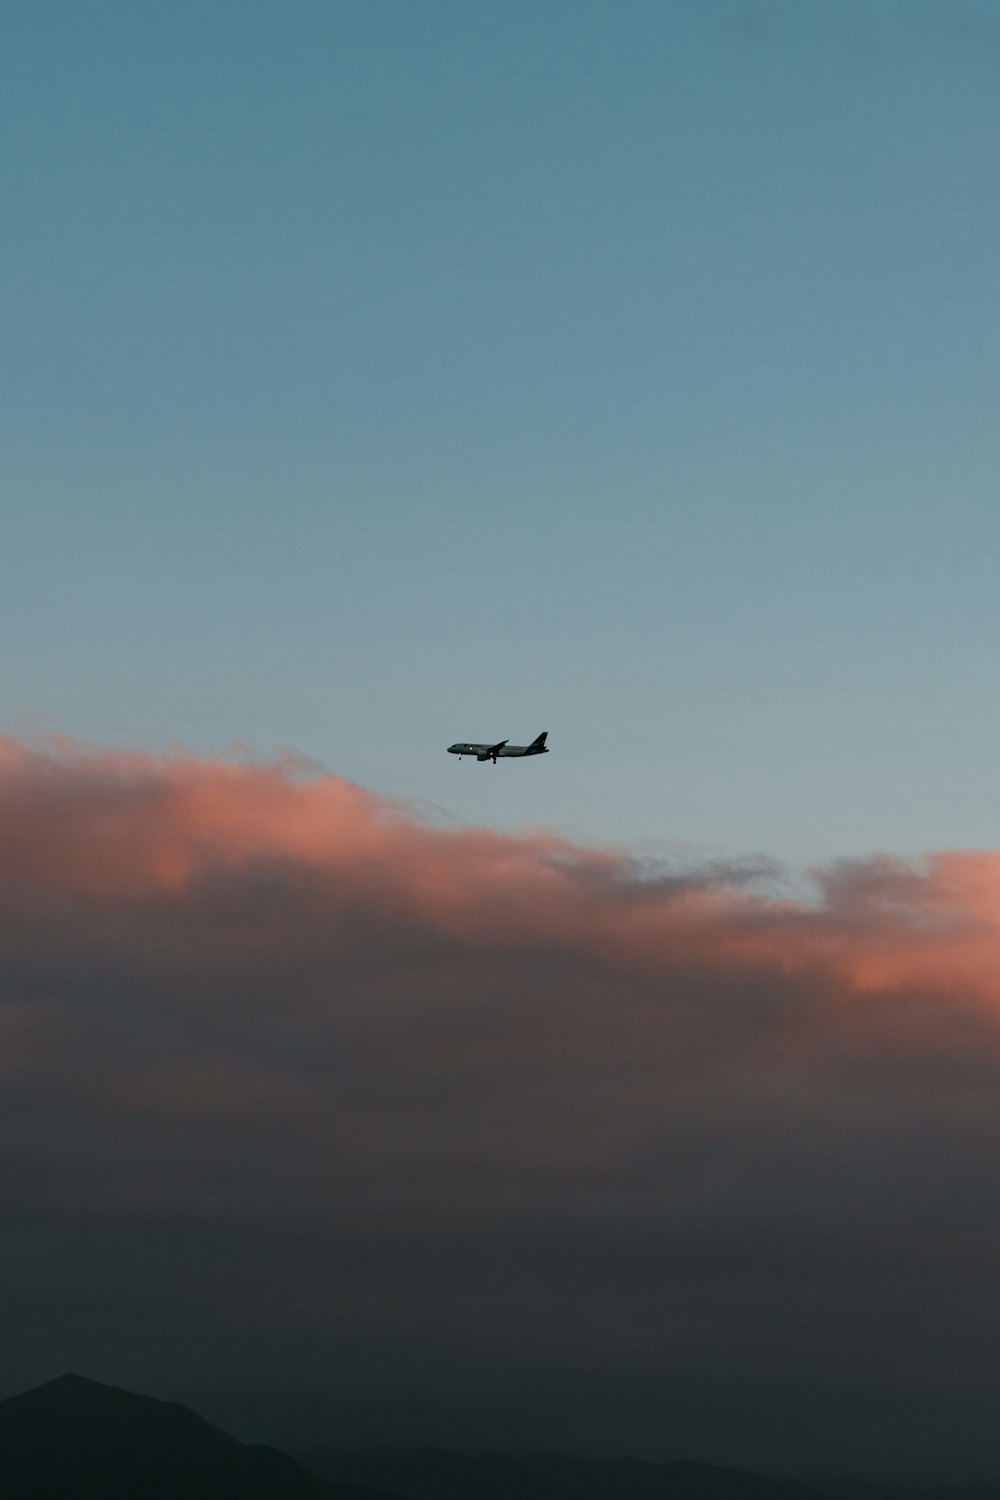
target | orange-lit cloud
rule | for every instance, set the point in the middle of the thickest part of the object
(108, 826)
(495, 1101)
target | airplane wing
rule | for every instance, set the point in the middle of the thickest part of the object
(495, 749)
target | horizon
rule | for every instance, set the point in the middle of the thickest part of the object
(912, 1482)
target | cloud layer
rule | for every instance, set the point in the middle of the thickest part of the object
(460, 1135)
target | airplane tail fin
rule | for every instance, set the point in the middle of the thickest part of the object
(540, 740)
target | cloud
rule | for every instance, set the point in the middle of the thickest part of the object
(294, 1081)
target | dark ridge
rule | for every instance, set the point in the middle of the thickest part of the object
(844, 1487)
(438, 1474)
(76, 1439)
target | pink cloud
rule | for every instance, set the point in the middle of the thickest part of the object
(111, 825)
(493, 1089)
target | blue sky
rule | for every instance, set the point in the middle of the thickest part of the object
(380, 374)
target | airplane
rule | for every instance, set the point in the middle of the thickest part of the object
(504, 748)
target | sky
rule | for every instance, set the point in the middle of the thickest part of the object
(384, 374)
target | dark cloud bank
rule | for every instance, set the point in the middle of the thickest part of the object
(340, 1126)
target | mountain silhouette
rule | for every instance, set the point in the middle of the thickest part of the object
(75, 1439)
(438, 1474)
